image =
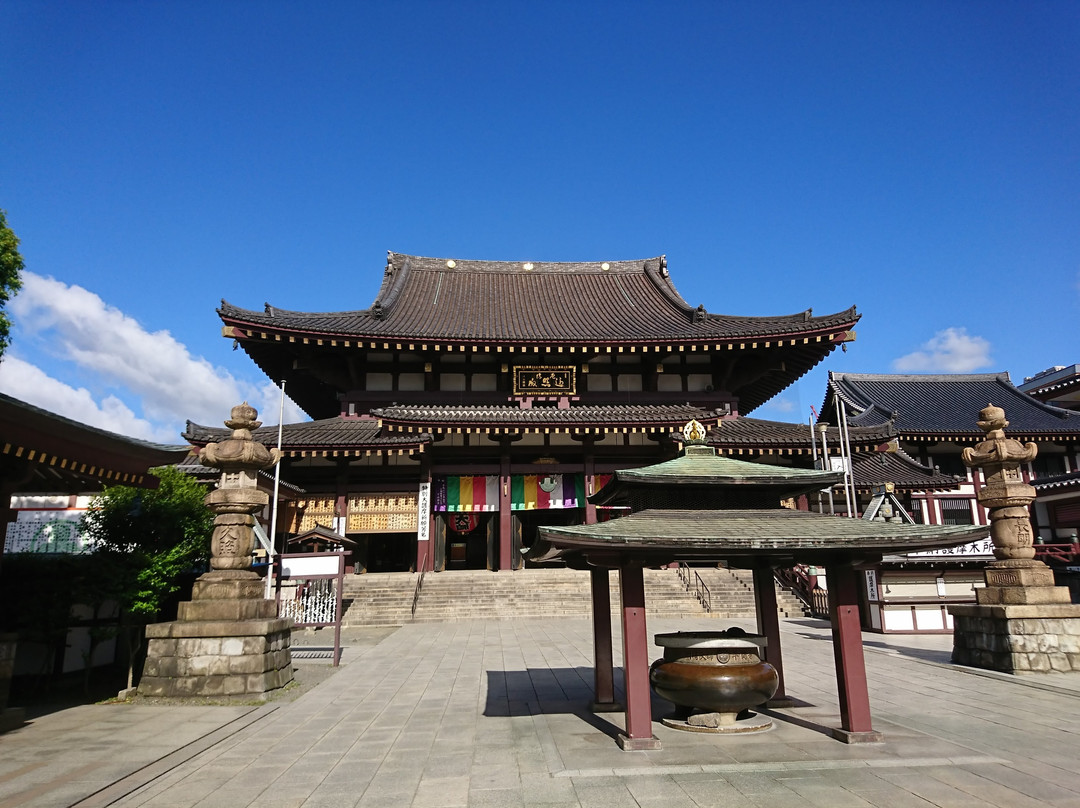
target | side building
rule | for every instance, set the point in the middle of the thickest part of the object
(933, 418)
(475, 401)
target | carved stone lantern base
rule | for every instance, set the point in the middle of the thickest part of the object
(226, 641)
(1031, 638)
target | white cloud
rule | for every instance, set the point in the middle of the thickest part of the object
(949, 351)
(29, 383)
(782, 405)
(153, 367)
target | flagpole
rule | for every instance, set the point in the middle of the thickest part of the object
(274, 506)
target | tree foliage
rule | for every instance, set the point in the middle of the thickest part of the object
(150, 537)
(11, 265)
(144, 541)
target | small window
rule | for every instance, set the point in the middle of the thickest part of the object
(955, 511)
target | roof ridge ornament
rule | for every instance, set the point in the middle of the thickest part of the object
(694, 433)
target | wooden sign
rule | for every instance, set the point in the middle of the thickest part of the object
(550, 380)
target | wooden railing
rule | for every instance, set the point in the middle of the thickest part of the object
(1058, 553)
(797, 580)
(419, 583)
(693, 583)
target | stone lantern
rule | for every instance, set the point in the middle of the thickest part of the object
(1022, 622)
(227, 640)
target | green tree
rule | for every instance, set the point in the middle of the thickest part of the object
(147, 539)
(11, 264)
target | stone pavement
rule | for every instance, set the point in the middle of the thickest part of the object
(494, 714)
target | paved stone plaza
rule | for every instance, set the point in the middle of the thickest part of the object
(493, 714)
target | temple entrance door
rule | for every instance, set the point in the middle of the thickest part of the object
(390, 552)
(468, 540)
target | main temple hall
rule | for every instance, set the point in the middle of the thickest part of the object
(475, 401)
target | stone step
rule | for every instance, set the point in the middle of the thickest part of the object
(387, 599)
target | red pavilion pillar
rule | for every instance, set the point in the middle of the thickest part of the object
(855, 726)
(638, 733)
(603, 658)
(768, 623)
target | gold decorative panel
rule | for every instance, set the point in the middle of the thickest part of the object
(308, 513)
(382, 513)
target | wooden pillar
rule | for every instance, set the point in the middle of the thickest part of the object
(848, 652)
(638, 733)
(506, 526)
(768, 624)
(424, 518)
(603, 660)
(590, 479)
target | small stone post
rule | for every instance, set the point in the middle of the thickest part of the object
(1022, 622)
(227, 640)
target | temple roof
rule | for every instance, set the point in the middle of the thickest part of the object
(901, 469)
(347, 435)
(590, 417)
(1057, 483)
(523, 302)
(781, 535)
(756, 434)
(54, 454)
(946, 405)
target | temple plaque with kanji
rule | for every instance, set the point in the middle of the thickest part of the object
(558, 380)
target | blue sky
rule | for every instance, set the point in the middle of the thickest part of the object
(920, 160)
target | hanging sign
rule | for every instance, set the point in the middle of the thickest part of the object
(423, 500)
(550, 380)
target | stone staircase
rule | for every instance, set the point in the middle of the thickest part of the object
(387, 598)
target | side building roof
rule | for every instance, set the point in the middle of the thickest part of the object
(48, 453)
(338, 437)
(945, 405)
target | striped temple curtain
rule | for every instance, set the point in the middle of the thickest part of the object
(465, 493)
(530, 492)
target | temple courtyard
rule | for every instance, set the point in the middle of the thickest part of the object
(496, 714)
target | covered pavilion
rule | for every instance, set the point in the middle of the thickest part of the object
(700, 508)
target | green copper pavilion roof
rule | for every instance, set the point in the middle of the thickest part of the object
(778, 536)
(700, 467)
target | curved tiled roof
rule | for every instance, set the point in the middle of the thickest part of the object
(47, 452)
(611, 415)
(522, 302)
(328, 433)
(901, 469)
(756, 433)
(1058, 481)
(944, 404)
